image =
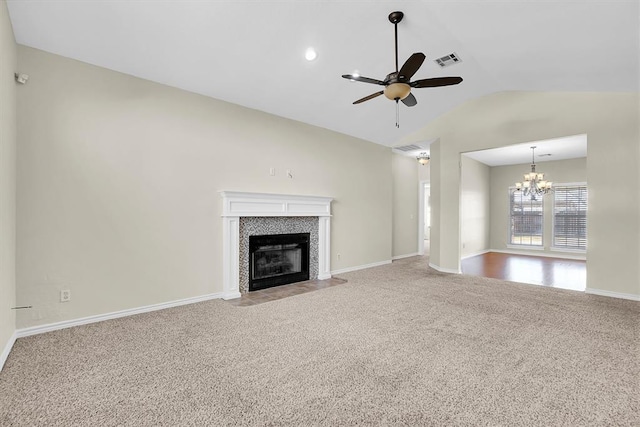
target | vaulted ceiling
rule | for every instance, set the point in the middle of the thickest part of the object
(252, 52)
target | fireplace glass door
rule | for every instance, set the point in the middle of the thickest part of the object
(278, 260)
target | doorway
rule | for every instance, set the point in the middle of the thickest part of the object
(424, 218)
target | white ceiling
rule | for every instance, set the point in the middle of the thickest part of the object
(252, 52)
(570, 147)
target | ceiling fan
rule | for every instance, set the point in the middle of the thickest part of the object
(398, 84)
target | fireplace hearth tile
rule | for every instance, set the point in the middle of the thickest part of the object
(279, 292)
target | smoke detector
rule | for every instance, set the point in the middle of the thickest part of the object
(21, 78)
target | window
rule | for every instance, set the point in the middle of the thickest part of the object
(570, 216)
(525, 218)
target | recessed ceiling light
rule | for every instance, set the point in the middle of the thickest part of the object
(310, 54)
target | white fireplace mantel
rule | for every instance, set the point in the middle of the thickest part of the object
(238, 204)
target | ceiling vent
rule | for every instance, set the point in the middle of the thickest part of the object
(447, 60)
(405, 148)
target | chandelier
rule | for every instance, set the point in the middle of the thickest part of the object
(534, 182)
(423, 158)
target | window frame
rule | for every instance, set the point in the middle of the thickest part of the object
(511, 245)
(553, 219)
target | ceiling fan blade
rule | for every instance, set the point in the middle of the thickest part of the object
(436, 81)
(366, 98)
(411, 66)
(363, 79)
(410, 100)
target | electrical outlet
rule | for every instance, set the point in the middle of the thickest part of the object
(65, 295)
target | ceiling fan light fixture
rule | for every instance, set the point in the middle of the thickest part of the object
(397, 91)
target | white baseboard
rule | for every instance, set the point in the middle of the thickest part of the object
(565, 255)
(7, 349)
(34, 330)
(486, 251)
(444, 270)
(360, 267)
(405, 256)
(602, 293)
(231, 295)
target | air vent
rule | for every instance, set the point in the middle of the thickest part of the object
(447, 60)
(411, 147)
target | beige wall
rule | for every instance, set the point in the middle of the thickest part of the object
(610, 121)
(503, 177)
(118, 182)
(475, 206)
(7, 179)
(405, 205)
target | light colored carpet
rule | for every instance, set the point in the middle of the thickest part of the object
(397, 345)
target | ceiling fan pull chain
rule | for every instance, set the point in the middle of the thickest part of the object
(397, 115)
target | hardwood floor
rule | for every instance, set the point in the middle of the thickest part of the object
(554, 272)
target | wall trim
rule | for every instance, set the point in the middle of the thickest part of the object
(444, 270)
(41, 329)
(360, 267)
(404, 256)
(486, 251)
(565, 255)
(604, 293)
(7, 349)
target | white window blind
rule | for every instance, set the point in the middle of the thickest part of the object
(570, 216)
(526, 218)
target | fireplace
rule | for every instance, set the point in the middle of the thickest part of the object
(247, 214)
(278, 259)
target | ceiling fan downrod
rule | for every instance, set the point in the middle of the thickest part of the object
(394, 18)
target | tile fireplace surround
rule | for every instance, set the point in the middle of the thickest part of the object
(241, 204)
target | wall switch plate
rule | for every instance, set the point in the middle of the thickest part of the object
(65, 295)
(272, 171)
(289, 173)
